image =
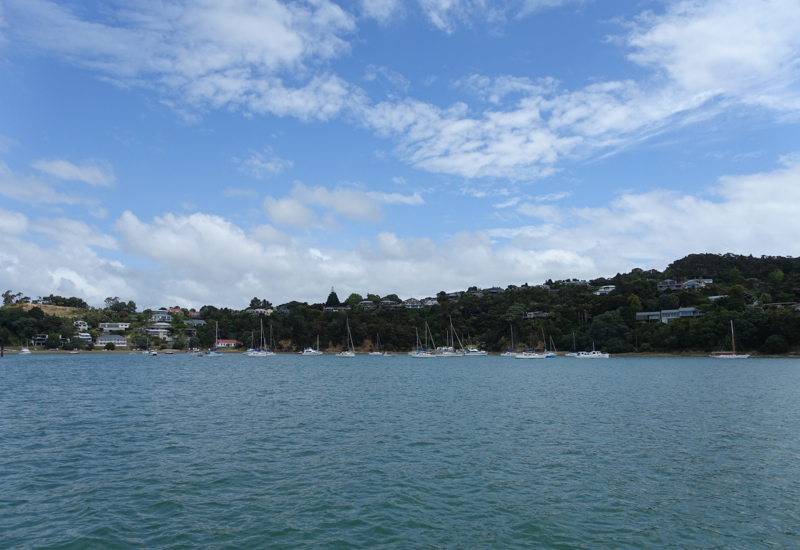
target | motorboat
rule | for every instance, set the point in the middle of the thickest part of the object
(475, 352)
(530, 354)
(592, 355)
(153, 353)
(24, 351)
(389, 354)
(312, 351)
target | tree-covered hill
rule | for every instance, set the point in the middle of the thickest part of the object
(569, 312)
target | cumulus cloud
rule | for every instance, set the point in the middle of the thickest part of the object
(93, 172)
(5, 142)
(393, 77)
(201, 258)
(263, 164)
(287, 212)
(662, 225)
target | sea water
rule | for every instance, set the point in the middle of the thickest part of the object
(129, 451)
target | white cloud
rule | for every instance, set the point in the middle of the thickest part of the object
(5, 142)
(31, 190)
(73, 231)
(266, 164)
(380, 10)
(393, 77)
(664, 225)
(204, 53)
(399, 180)
(289, 212)
(744, 49)
(506, 204)
(205, 259)
(12, 223)
(348, 202)
(93, 173)
(396, 198)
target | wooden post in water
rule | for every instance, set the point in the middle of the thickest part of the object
(2, 347)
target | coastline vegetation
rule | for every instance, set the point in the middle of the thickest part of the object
(756, 293)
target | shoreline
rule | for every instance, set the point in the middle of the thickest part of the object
(692, 353)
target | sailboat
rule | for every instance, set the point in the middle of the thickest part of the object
(450, 349)
(510, 352)
(262, 350)
(472, 350)
(729, 354)
(574, 353)
(214, 352)
(423, 353)
(530, 353)
(312, 351)
(547, 353)
(377, 350)
(351, 349)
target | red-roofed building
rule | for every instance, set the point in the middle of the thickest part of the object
(194, 314)
(175, 311)
(228, 343)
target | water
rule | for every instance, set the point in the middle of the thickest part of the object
(122, 451)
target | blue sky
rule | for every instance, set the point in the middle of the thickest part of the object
(209, 151)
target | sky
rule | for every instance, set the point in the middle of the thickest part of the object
(211, 151)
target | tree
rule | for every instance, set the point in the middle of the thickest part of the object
(53, 341)
(393, 297)
(75, 343)
(777, 275)
(111, 301)
(353, 300)
(110, 346)
(775, 344)
(255, 303)
(333, 299)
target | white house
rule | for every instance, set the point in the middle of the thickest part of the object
(117, 340)
(428, 302)
(412, 303)
(81, 325)
(159, 330)
(108, 327)
(161, 318)
(227, 343)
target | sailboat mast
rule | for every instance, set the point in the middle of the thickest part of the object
(733, 338)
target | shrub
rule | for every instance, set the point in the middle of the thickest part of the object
(110, 346)
(775, 344)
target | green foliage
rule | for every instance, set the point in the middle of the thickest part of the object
(110, 346)
(333, 300)
(353, 300)
(777, 276)
(775, 344)
(53, 341)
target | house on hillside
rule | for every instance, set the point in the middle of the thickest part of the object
(116, 339)
(161, 317)
(536, 314)
(668, 315)
(604, 290)
(412, 303)
(367, 304)
(430, 301)
(670, 284)
(108, 327)
(195, 322)
(337, 309)
(81, 325)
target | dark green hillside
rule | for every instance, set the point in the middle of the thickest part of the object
(757, 294)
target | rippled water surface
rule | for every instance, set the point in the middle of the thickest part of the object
(123, 451)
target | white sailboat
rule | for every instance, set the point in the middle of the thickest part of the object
(450, 349)
(574, 353)
(350, 352)
(729, 354)
(263, 350)
(513, 351)
(214, 352)
(423, 353)
(530, 353)
(377, 350)
(312, 351)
